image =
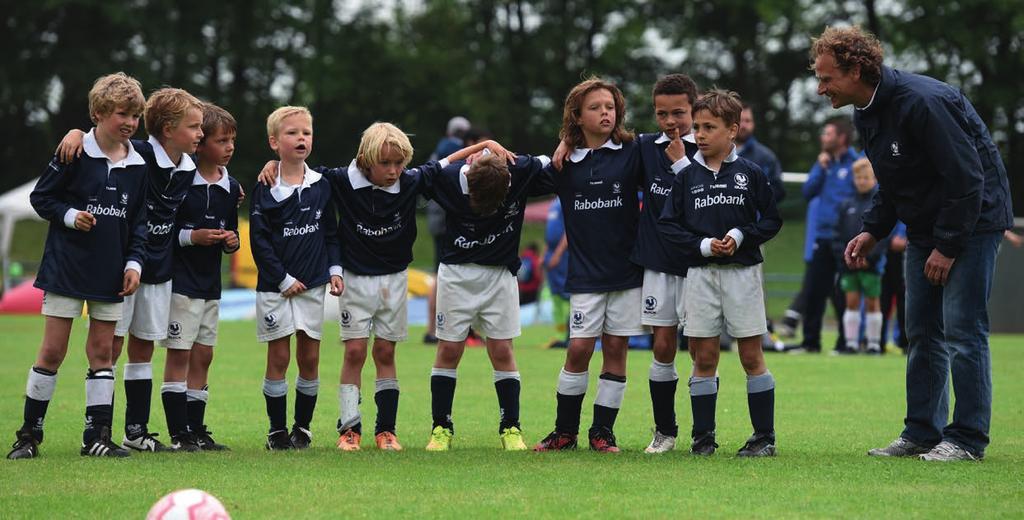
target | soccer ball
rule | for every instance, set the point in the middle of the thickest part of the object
(188, 504)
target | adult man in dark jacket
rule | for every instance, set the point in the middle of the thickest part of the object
(941, 174)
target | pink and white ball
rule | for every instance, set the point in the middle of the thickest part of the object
(188, 504)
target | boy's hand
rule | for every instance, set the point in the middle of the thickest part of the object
(131, 283)
(71, 146)
(857, 251)
(717, 247)
(241, 196)
(675, 150)
(728, 246)
(84, 221)
(898, 244)
(208, 237)
(560, 154)
(268, 175)
(231, 241)
(496, 148)
(296, 288)
(823, 159)
(337, 285)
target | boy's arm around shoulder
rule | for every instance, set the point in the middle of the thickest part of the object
(540, 171)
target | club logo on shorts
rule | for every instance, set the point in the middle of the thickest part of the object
(895, 147)
(616, 188)
(577, 319)
(741, 180)
(346, 318)
(124, 199)
(650, 303)
(440, 320)
(270, 320)
(174, 329)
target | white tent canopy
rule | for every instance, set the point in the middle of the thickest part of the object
(14, 206)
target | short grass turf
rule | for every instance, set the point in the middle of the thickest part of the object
(830, 411)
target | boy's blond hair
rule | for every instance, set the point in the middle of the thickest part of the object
(372, 144)
(115, 90)
(276, 117)
(167, 107)
(863, 164)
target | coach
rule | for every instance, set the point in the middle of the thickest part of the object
(940, 173)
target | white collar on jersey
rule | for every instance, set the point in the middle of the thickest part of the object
(223, 182)
(699, 158)
(664, 138)
(164, 161)
(579, 154)
(359, 180)
(282, 191)
(92, 149)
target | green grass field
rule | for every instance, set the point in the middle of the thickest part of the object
(830, 410)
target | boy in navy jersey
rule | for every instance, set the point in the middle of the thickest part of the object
(174, 121)
(376, 200)
(294, 239)
(476, 279)
(206, 226)
(94, 251)
(720, 211)
(664, 155)
(598, 191)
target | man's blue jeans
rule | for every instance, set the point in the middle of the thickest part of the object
(948, 331)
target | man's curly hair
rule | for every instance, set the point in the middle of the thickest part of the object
(851, 46)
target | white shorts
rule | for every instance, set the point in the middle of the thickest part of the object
(278, 316)
(485, 297)
(146, 312)
(616, 313)
(60, 306)
(192, 320)
(725, 298)
(663, 299)
(374, 301)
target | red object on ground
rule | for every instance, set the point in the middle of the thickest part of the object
(22, 299)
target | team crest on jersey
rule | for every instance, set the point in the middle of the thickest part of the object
(843, 172)
(270, 320)
(317, 214)
(174, 329)
(650, 303)
(895, 148)
(124, 199)
(222, 223)
(398, 216)
(440, 320)
(616, 188)
(512, 210)
(346, 318)
(577, 319)
(741, 181)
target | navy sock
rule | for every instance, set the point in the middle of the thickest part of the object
(508, 401)
(387, 410)
(442, 394)
(663, 395)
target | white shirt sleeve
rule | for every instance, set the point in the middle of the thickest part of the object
(336, 270)
(736, 235)
(705, 247)
(680, 165)
(69, 218)
(288, 281)
(185, 237)
(443, 163)
(134, 266)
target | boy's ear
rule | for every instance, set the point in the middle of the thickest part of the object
(273, 142)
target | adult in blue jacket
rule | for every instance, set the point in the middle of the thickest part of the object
(940, 173)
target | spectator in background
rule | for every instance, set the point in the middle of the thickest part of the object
(791, 319)
(529, 277)
(556, 263)
(864, 281)
(751, 149)
(451, 142)
(831, 181)
(894, 289)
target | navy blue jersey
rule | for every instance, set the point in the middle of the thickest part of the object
(168, 183)
(376, 225)
(652, 251)
(485, 240)
(705, 204)
(598, 191)
(206, 206)
(90, 265)
(294, 233)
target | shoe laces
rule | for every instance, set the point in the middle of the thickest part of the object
(946, 448)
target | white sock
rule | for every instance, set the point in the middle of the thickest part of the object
(874, 330)
(851, 327)
(348, 404)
